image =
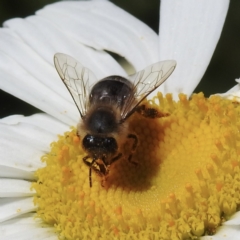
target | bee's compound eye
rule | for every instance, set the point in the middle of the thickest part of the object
(101, 145)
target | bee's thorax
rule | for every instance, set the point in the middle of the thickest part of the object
(102, 120)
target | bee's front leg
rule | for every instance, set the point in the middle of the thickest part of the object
(102, 170)
(86, 162)
(90, 168)
(150, 112)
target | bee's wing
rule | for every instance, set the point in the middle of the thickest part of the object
(145, 82)
(76, 78)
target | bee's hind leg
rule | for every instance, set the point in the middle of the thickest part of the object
(150, 112)
(134, 146)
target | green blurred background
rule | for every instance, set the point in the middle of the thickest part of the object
(219, 77)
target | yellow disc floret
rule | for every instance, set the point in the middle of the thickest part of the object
(185, 183)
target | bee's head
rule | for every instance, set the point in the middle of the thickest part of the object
(100, 147)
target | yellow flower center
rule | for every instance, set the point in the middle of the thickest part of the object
(185, 183)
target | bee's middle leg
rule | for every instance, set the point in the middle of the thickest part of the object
(116, 158)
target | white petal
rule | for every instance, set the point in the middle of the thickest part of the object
(21, 226)
(32, 78)
(102, 25)
(233, 93)
(225, 233)
(41, 120)
(234, 220)
(33, 30)
(26, 65)
(15, 188)
(13, 172)
(18, 224)
(21, 83)
(13, 207)
(36, 234)
(23, 140)
(189, 32)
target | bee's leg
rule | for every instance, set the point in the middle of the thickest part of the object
(90, 177)
(104, 179)
(134, 137)
(116, 158)
(150, 112)
(86, 162)
(103, 169)
(102, 172)
(90, 168)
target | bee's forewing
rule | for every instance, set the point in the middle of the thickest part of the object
(76, 78)
(145, 82)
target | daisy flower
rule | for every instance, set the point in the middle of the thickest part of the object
(187, 183)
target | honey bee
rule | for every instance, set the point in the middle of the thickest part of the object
(105, 105)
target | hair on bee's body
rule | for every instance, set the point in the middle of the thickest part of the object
(106, 105)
